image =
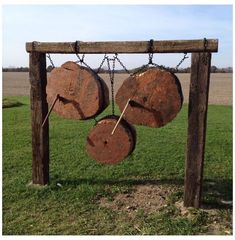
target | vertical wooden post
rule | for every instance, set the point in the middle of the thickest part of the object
(39, 108)
(197, 116)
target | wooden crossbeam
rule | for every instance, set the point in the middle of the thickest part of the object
(164, 46)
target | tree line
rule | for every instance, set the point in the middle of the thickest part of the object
(214, 69)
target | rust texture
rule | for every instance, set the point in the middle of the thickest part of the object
(156, 97)
(111, 149)
(82, 94)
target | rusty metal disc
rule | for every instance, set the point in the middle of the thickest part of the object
(111, 149)
(156, 97)
(82, 94)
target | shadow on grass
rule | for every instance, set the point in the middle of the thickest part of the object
(8, 103)
(124, 182)
(217, 194)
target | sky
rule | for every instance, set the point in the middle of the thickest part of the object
(61, 23)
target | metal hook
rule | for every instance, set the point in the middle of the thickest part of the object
(150, 51)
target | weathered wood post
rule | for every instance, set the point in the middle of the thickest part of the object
(197, 116)
(39, 108)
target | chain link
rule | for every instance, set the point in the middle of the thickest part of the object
(81, 60)
(150, 62)
(111, 76)
(148, 65)
(111, 71)
(150, 51)
(113, 102)
(49, 57)
(121, 63)
(205, 44)
(150, 59)
(181, 61)
(102, 63)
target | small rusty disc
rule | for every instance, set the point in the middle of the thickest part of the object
(156, 97)
(111, 149)
(82, 94)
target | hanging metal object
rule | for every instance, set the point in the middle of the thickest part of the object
(82, 93)
(106, 148)
(155, 97)
(112, 139)
(111, 77)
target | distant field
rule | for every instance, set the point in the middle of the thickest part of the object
(17, 84)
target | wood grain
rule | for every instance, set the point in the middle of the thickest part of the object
(197, 115)
(164, 46)
(82, 94)
(106, 148)
(39, 109)
(156, 97)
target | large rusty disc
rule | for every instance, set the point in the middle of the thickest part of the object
(111, 149)
(156, 97)
(82, 94)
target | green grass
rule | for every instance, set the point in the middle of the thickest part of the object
(69, 205)
(8, 103)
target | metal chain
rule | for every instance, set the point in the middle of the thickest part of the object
(101, 64)
(150, 63)
(111, 76)
(112, 88)
(150, 59)
(205, 43)
(150, 51)
(121, 63)
(111, 70)
(81, 60)
(181, 61)
(49, 57)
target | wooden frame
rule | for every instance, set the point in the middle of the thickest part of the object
(198, 100)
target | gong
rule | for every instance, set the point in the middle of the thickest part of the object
(82, 93)
(155, 97)
(106, 148)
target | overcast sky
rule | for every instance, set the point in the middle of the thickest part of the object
(25, 23)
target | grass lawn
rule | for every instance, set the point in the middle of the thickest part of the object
(85, 197)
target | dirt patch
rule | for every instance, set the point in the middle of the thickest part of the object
(216, 224)
(160, 198)
(149, 198)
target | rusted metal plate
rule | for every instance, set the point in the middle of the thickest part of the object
(111, 149)
(83, 94)
(156, 97)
